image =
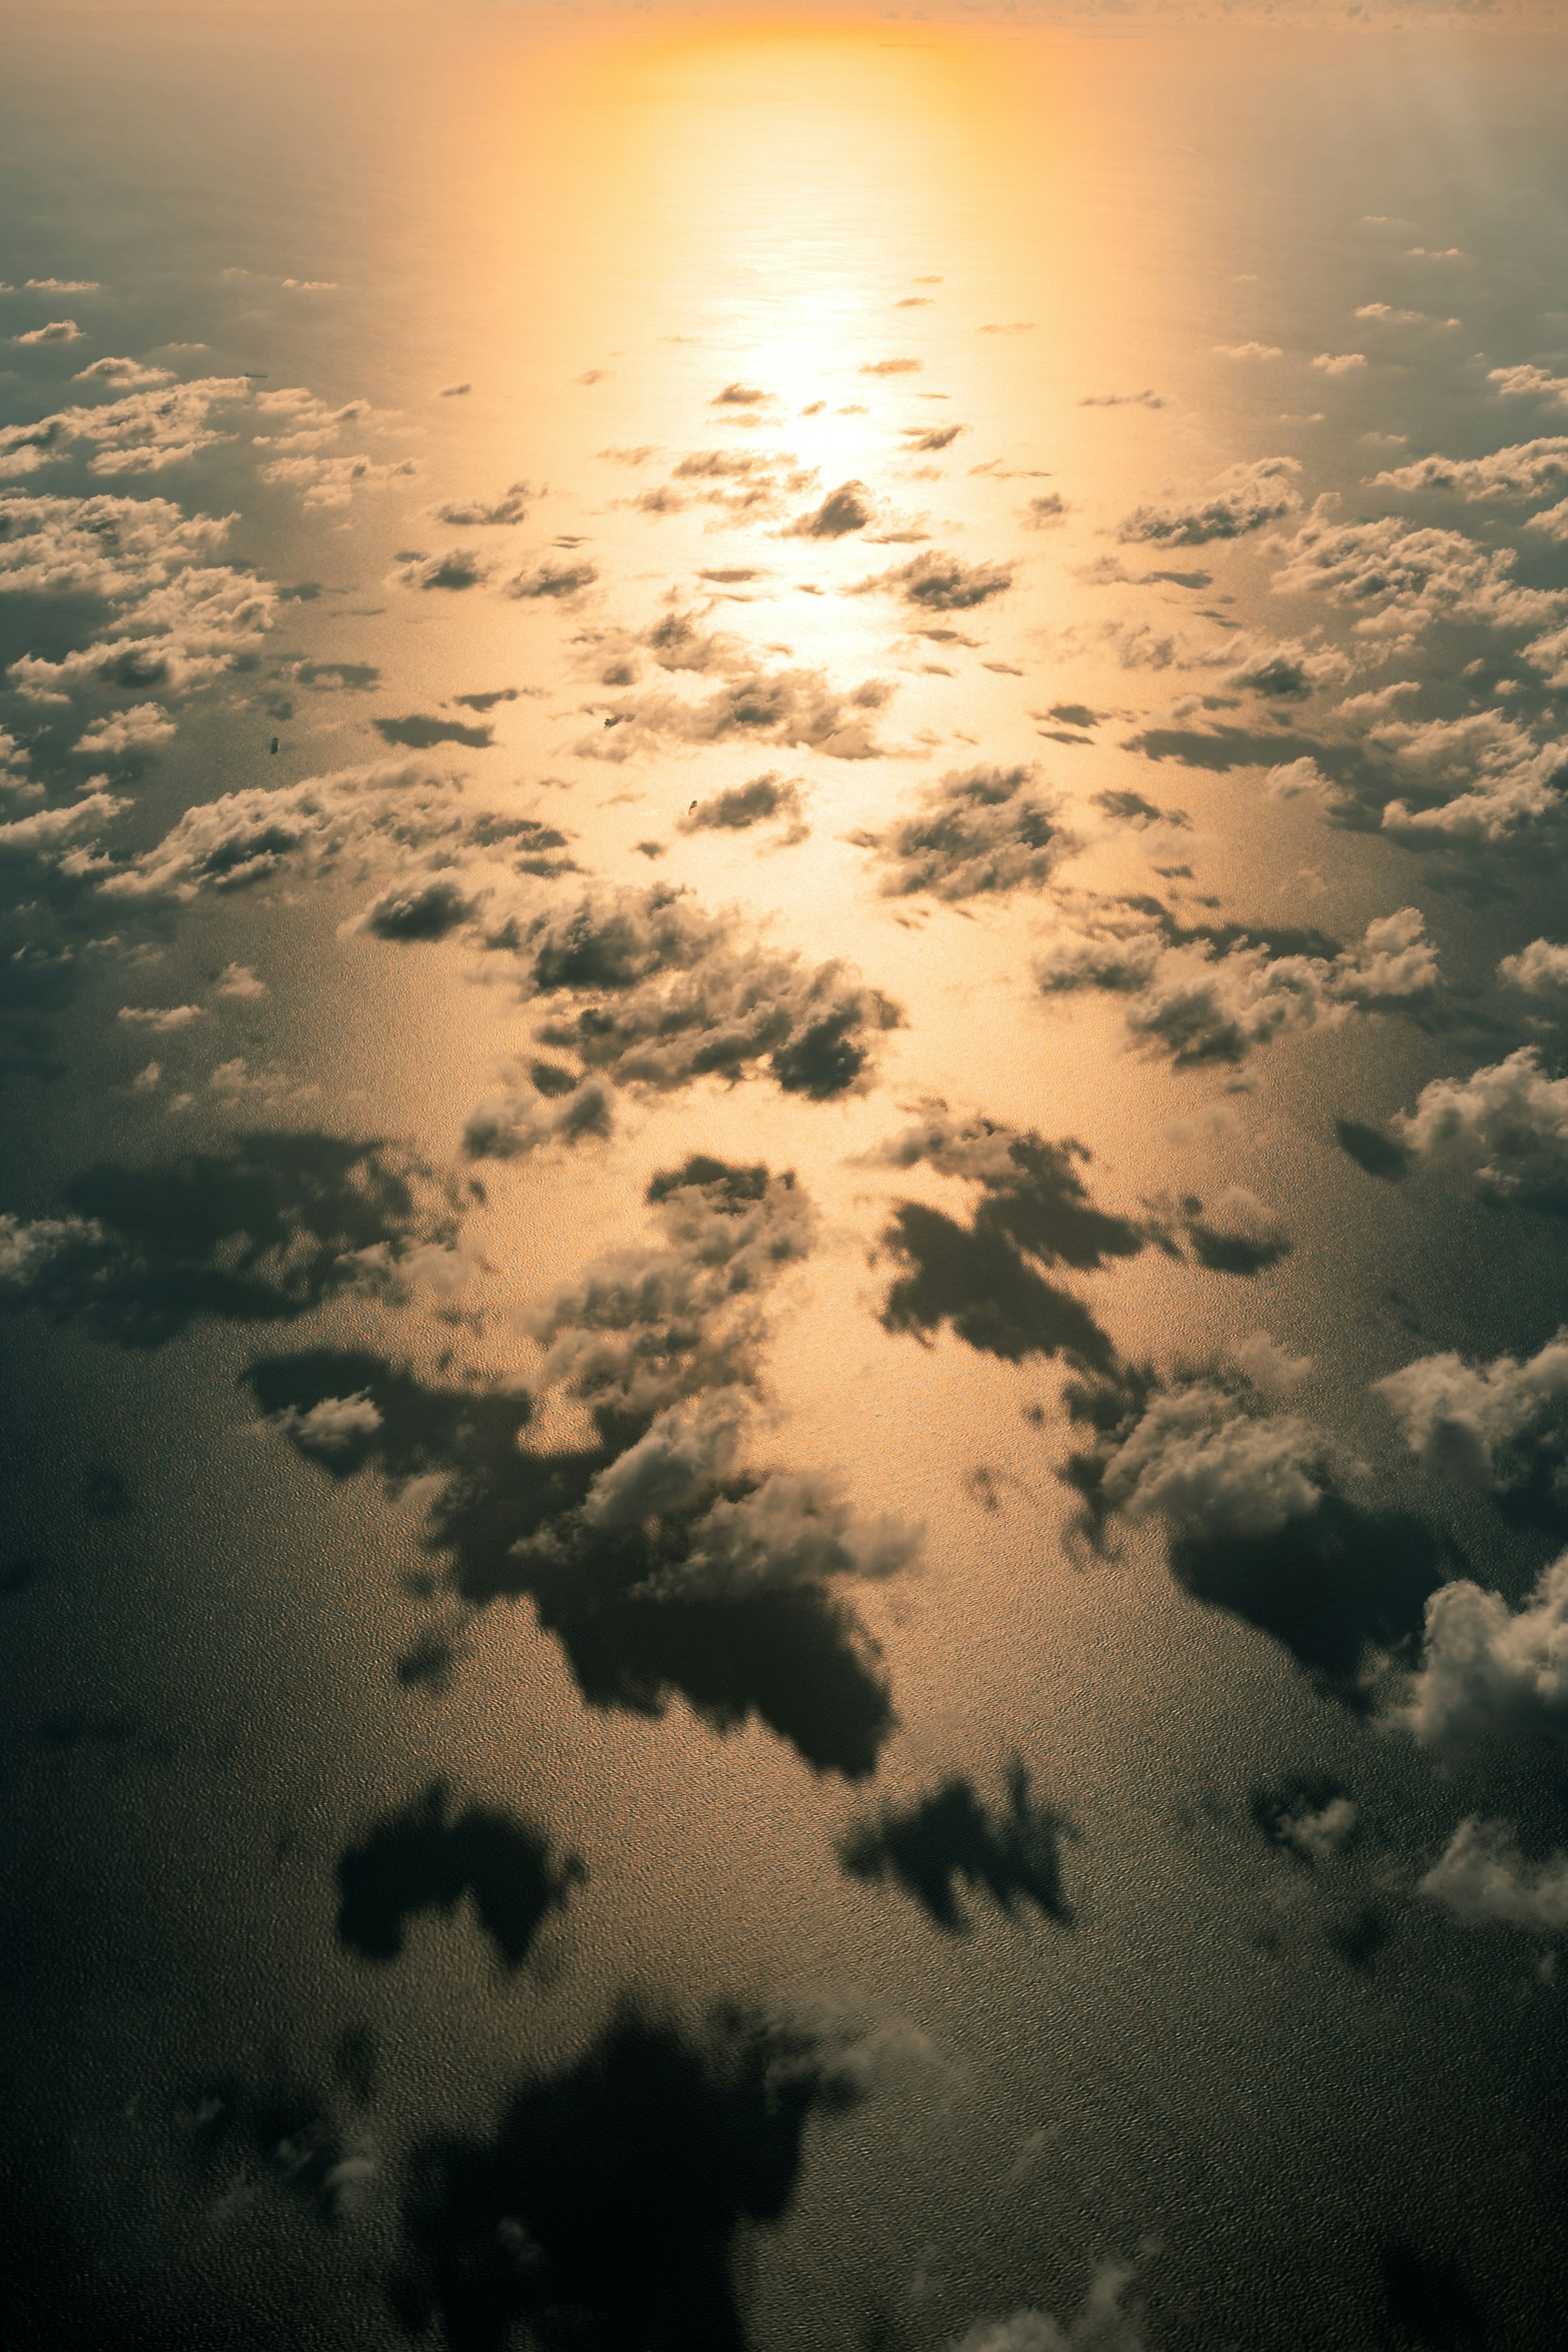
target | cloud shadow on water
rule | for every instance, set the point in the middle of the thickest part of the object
(266, 1230)
(1012, 1853)
(422, 1860)
(603, 2213)
(793, 1654)
(983, 1277)
(1327, 1586)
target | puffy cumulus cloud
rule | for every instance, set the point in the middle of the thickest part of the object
(1287, 672)
(1046, 512)
(848, 508)
(1243, 499)
(184, 619)
(977, 830)
(131, 375)
(1469, 1421)
(1481, 1878)
(459, 567)
(796, 708)
(940, 584)
(495, 514)
(663, 993)
(119, 548)
(334, 1427)
(299, 420)
(120, 732)
(238, 980)
(393, 811)
(664, 1342)
(1507, 1123)
(52, 836)
(1530, 382)
(1490, 1676)
(1552, 523)
(1549, 655)
(793, 1527)
(1480, 780)
(1339, 362)
(535, 1112)
(740, 485)
(144, 433)
(919, 438)
(1247, 352)
(57, 331)
(1541, 968)
(766, 799)
(551, 580)
(326, 481)
(1530, 469)
(1208, 1459)
(1400, 580)
(1105, 2324)
(1210, 995)
(161, 1016)
(27, 1244)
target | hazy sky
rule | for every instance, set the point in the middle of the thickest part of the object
(783, 991)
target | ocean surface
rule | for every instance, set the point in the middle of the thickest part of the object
(784, 983)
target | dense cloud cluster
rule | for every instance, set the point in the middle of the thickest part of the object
(1399, 579)
(798, 708)
(1207, 1456)
(392, 810)
(144, 433)
(977, 830)
(654, 991)
(181, 619)
(1211, 993)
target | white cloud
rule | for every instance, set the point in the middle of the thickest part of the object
(161, 1016)
(1243, 499)
(238, 980)
(1508, 1122)
(1204, 1460)
(1483, 1879)
(1489, 1675)
(1455, 1416)
(144, 433)
(1199, 1003)
(138, 729)
(1401, 579)
(1339, 362)
(57, 331)
(1527, 470)
(1541, 968)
